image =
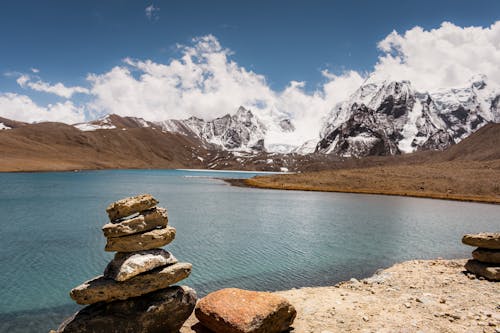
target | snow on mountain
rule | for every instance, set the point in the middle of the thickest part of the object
(4, 127)
(388, 118)
(113, 121)
(242, 131)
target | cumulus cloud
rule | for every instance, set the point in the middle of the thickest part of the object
(440, 58)
(205, 82)
(58, 89)
(152, 12)
(22, 108)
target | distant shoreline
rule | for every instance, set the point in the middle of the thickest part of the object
(293, 183)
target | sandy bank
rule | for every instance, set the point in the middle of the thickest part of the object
(413, 296)
(463, 181)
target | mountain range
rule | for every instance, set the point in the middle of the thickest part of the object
(379, 118)
(383, 118)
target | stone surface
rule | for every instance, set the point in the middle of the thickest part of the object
(145, 221)
(128, 206)
(242, 311)
(489, 271)
(487, 240)
(158, 312)
(138, 242)
(101, 289)
(486, 255)
(126, 265)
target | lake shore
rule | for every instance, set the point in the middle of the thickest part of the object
(462, 181)
(412, 296)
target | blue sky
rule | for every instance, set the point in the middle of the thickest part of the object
(282, 40)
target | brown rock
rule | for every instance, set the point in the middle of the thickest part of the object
(486, 255)
(101, 289)
(489, 271)
(145, 241)
(145, 221)
(131, 205)
(242, 311)
(487, 240)
(158, 312)
(126, 265)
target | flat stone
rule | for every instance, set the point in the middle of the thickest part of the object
(144, 241)
(487, 240)
(162, 311)
(145, 221)
(486, 255)
(128, 206)
(242, 311)
(489, 271)
(101, 289)
(126, 265)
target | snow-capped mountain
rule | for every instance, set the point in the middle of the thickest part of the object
(379, 118)
(242, 131)
(389, 118)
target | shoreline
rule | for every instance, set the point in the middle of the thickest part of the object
(434, 295)
(252, 183)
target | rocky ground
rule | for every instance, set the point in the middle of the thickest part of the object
(414, 296)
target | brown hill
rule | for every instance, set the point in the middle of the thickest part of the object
(56, 146)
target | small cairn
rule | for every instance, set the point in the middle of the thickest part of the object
(135, 294)
(486, 262)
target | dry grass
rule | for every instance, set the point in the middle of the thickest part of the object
(457, 180)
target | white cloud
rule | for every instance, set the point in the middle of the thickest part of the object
(58, 89)
(35, 70)
(440, 58)
(152, 12)
(205, 82)
(22, 108)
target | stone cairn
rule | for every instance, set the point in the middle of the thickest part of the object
(486, 262)
(135, 294)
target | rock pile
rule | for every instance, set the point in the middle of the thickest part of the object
(486, 262)
(135, 294)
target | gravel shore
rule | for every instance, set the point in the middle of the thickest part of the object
(413, 296)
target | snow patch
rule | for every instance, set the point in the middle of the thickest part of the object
(4, 127)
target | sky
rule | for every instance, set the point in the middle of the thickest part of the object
(73, 61)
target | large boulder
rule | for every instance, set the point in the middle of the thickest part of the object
(489, 271)
(138, 242)
(145, 221)
(242, 311)
(158, 312)
(128, 206)
(126, 265)
(487, 240)
(101, 289)
(486, 255)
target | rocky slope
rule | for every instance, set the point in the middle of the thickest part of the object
(390, 118)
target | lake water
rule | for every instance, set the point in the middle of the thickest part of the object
(51, 239)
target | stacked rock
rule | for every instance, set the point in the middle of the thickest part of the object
(486, 262)
(135, 293)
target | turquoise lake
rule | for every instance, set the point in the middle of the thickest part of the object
(51, 239)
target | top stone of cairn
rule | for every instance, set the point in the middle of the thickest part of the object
(128, 206)
(487, 240)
